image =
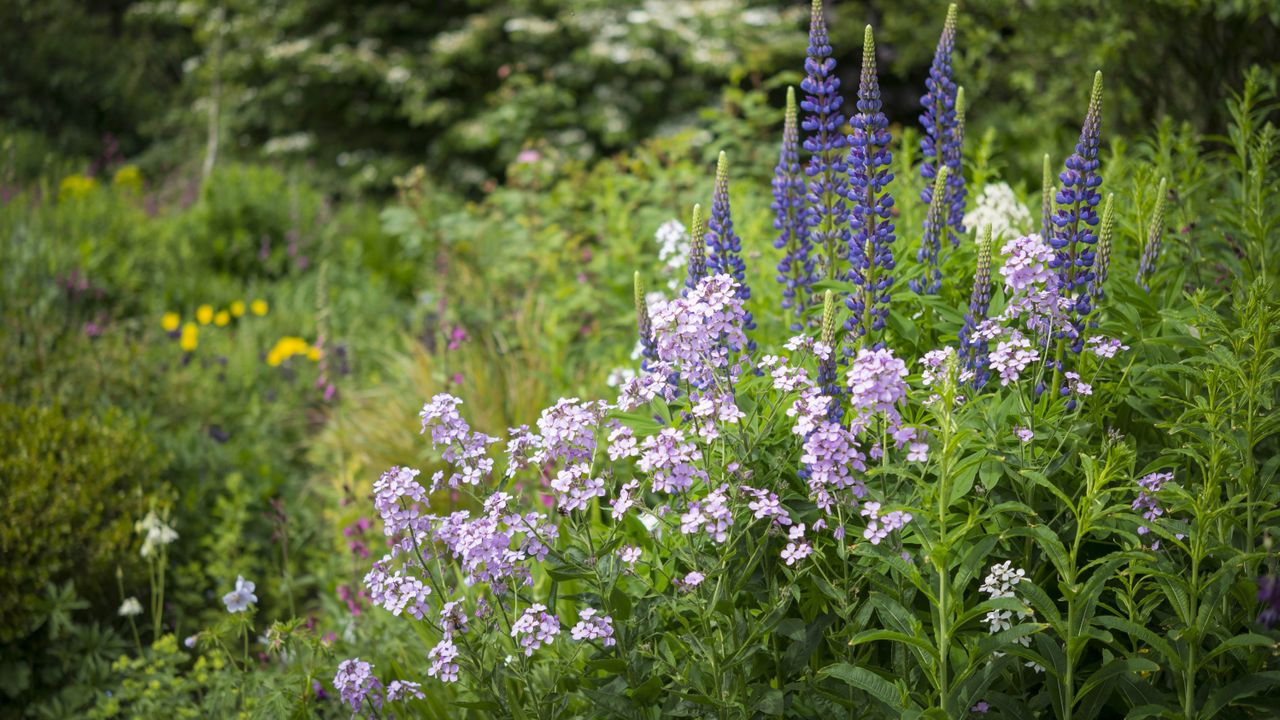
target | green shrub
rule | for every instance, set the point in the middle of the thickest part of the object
(72, 488)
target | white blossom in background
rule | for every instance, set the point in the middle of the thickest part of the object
(1000, 583)
(155, 533)
(999, 207)
(619, 376)
(130, 607)
(673, 251)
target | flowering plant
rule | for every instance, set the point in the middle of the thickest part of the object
(867, 516)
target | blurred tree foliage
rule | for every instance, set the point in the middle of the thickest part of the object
(366, 90)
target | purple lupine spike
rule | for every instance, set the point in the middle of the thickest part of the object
(697, 252)
(935, 226)
(795, 270)
(1097, 287)
(724, 247)
(827, 214)
(871, 247)
(1073, 238)
(973, 350)
(940, 145)
(1155, 237)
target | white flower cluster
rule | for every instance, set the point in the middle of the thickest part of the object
(673, 251)
(998, 207)
(999, 583)
(156, 533)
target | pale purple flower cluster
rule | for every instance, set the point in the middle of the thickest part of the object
(399, 499)
(629, 554)
(690, 581)
(1027, 265)
(699, 333)
(879, 526)
(711, 514)
(400, 690)
(534, 628)
(242, 597)
(568, 431)
(1146, 501)
(622, 442)
(594, 627)
(670, 461)
(355, 682)
(876, 383)
(443, 659)
(797, 549)
(1104, 347)
(625, 500)
(397, 592)
(830, 454)
(575, 487)
(1012, 356)
(765, 504)
(466, 449)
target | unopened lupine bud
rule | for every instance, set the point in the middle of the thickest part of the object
(828, 378)
(1104, 249)
(697, 250)
(1046, 199)
(973, 351)
(935, 225)
(643, 323)
(1155, 238)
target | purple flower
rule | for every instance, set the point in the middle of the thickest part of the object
(1012, 356)
(575, 487)
(710, 514)
(463, 448)
(443, 660)
(355, 681)
(724, 247)
(940, 145)
(797, 549)
(1074, 237)
(670, 461)
(1155, 235)
(796, 269)
(1024, 434)
(1146, 502)
(879, 526)
(399, 498)
(400, 690)
(690, 581)
(935, 224)
(871, 247)
(629, 554)
(535, 628)
(876, 383)
(242, 597)
(1269, 596)
(1105, 347)
(594, 627)
(827, 214)
(698, 334)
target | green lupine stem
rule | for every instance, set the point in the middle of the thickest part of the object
(940, 551)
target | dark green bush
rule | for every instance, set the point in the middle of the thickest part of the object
(71, 489)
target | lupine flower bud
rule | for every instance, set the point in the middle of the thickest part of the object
(935, 225)
(1155, 237)
(796, 269)
(1104, 249)
(973, 350)
(724, 247)
(697, 251)
(871, 248)
(1046, 199)
(643, 323)
(943, 122)
(827, 215)
(1073, 237)
(827, 377)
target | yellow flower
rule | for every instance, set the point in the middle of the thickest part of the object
(313, 353)
(237, 308)
(129, 179)
(189, 338)
(74, 187)
(222, 318)
(204, 314)
(258, 307)
(170, 321)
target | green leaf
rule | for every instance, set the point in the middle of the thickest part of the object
(867, 681)
(1241, 688)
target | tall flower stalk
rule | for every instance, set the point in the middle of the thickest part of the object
(1046, 198)
(871, 247)
(935, 226)
(796, 269)
(697, 251)
(1155, 238)
(827, 214)
(1074, 235)
(1097, 288)
(943, 123)
(644, 325)
(973, 349)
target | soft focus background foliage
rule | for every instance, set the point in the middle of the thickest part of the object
(452, 196)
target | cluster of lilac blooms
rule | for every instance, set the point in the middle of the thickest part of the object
(1147, 503)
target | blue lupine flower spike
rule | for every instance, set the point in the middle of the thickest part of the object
(871, 247)
(1075, 223)
(1155, 238)
(796, 269)
(724, 247)
(935, 226)
(942, 123)
(826, 214)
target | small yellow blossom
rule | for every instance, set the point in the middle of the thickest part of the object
(258, 307)
(170, 321)
(222, 318)
(204, 314)
(74, 187)
(285, 348)
(129, 179)
(189, 339)
(237, 308)
(313, 353)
